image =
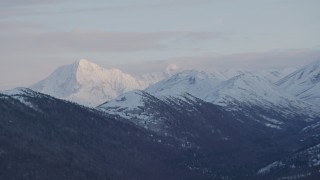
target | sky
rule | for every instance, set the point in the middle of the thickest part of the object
(37, 36)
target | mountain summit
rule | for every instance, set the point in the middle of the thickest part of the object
(87, 83)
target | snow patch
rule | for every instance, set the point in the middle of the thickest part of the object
(268, 169)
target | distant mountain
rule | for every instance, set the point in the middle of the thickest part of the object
(87, 83)
(304, 83)
(246, 89)
(253, 95)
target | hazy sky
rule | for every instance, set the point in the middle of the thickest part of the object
(36, 36)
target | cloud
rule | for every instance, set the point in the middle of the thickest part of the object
(95, 41)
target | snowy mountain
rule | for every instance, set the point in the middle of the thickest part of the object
(221, 87)
(244, 89)
(87, 83)
(249, 94)
(304, 83)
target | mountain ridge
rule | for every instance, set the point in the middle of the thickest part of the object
(304, 83)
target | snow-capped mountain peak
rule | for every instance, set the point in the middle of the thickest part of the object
(87, 83)
(84, 65)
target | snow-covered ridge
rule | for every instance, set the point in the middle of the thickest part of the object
(18, 91)
(23, 95)
(127, 101)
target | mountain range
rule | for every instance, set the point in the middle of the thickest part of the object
(186, 124)
(243, 92)
(89, 84)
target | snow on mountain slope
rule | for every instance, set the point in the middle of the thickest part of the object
(304, 83)
(274, 75)
(87, 83)
(19, 91)
(250, 89)
(189, 81)
(138, 107)
(127, 101)
(271, 75)
(252, 95)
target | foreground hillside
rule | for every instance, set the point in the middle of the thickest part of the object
(46, 138)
